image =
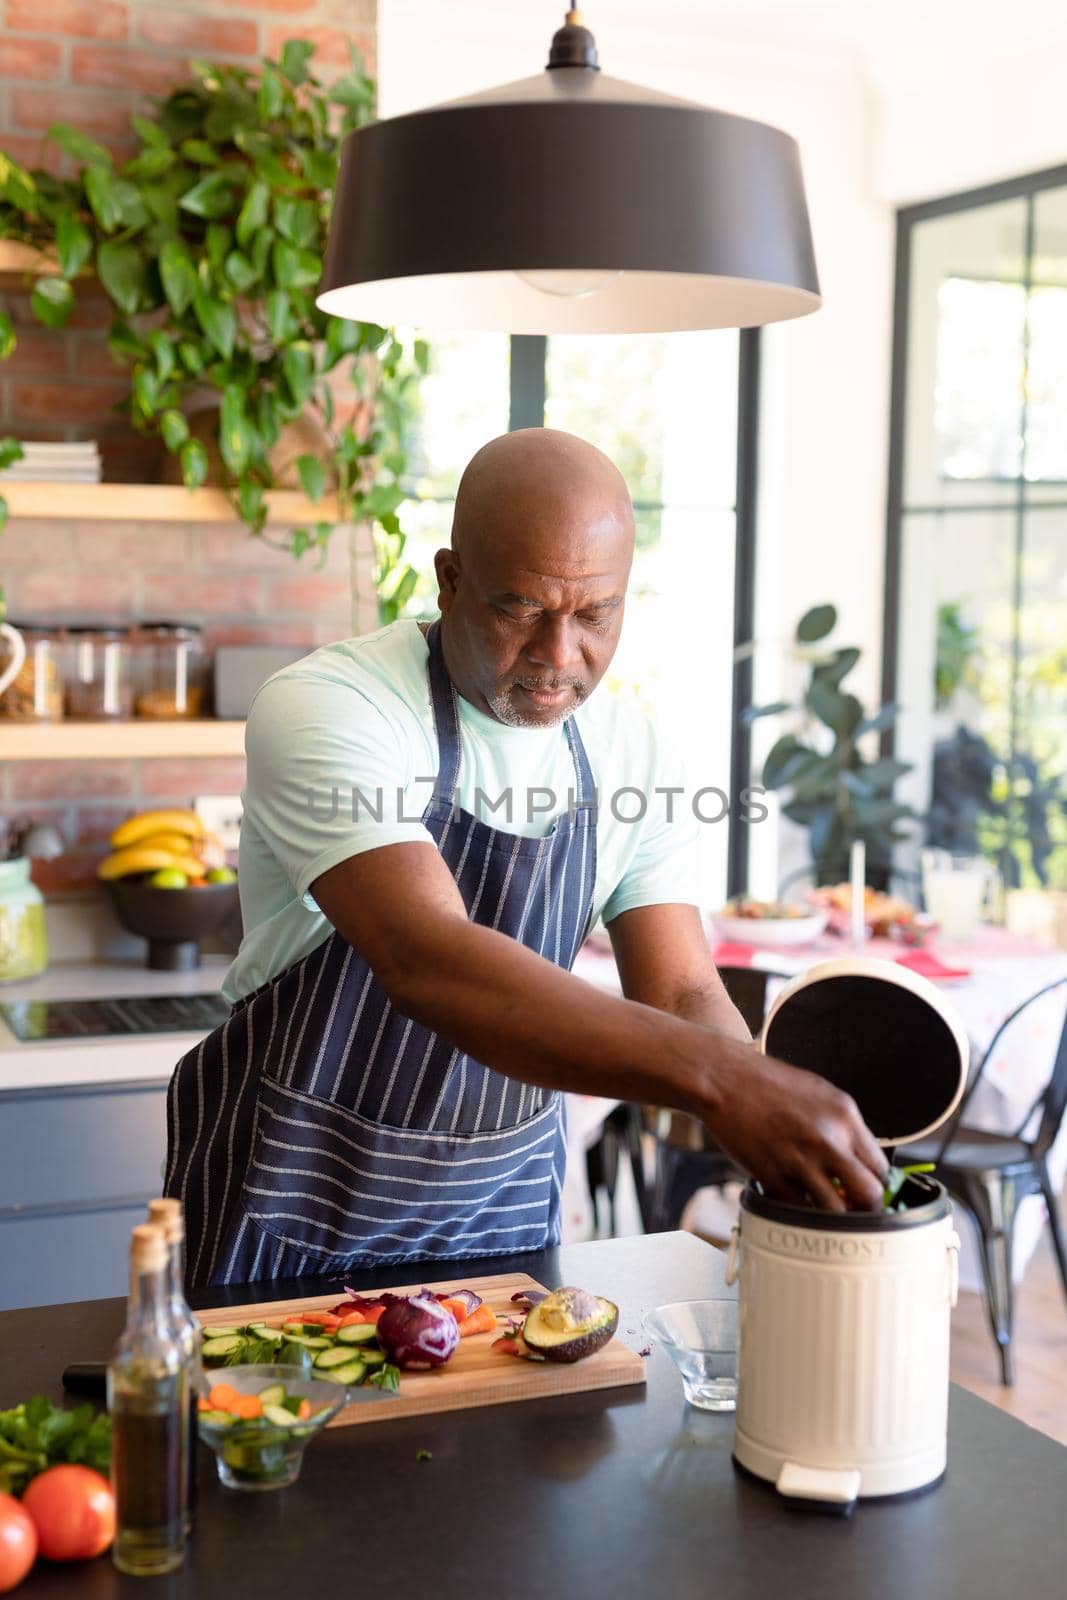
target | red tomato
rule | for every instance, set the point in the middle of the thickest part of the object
(18, 1543)
(73, 1511)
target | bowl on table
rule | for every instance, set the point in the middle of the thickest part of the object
(267, 1451)
(771, 923)
(701, 1338)
(173, 920)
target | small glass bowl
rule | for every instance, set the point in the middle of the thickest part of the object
(257, 1453)
(700, 1336)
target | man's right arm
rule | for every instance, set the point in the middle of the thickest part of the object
(508, 1007)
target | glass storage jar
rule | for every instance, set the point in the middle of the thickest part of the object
(98, 684)
(23, 936)
(169, 670)
(36, 695)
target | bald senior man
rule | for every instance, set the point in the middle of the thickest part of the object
(422, 855)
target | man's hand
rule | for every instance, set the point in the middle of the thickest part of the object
(796, 1133)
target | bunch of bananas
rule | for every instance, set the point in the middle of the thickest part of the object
(172, 849)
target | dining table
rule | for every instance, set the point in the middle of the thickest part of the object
(610, 1494)
(985, 978)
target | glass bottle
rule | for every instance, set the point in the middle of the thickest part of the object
(167, 1215)
(147, 1394)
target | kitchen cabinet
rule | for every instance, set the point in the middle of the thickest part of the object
(78, 1165)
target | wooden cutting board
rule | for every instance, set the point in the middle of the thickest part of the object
(476, 1375)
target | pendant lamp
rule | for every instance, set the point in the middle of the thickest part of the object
(570, 202)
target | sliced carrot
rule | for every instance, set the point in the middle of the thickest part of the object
(204, 1405)
(315, 1316)
(221, 1396)
(372, 1314)
(353, 1319)
(507, 1344)
(480, 1321)
(458, 1308)
(246, 1405)
(304, 1411)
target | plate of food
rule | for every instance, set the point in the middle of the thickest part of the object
(886, 916)
(774, 923)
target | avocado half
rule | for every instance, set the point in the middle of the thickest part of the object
(570, 1324)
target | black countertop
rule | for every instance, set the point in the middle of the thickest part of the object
(601, 1496)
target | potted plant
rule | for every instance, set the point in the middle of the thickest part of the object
(209, 245)
(835, 791)
(23, 934)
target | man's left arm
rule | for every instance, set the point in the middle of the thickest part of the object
(664, 961)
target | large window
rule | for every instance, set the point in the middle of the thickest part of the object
(976, 645)
(665, 409)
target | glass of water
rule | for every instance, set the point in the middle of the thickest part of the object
(700, 1336)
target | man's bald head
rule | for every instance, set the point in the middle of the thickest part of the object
(532, 589)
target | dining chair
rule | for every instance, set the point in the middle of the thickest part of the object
(686, 1156)
(990, 1174)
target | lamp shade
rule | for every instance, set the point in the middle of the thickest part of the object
(570, 202)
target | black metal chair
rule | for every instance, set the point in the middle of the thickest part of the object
(686, 1156)
(991, 1173)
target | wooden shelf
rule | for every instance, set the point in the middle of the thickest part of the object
(153, 502)
(21, 263)
(111, 741)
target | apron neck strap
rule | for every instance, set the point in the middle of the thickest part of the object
(446, 725)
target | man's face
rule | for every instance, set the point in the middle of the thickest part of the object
(534, 617)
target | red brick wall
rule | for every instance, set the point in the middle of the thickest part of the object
(91, 63)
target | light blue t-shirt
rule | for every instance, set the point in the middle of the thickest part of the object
(342, 754)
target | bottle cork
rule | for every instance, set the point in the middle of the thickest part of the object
(148, 1248)
(167, 1214)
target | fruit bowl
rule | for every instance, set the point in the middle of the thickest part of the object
(801, 926)
(172, 920)
(267, 1451)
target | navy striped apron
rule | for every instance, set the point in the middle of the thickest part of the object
(318, 1129)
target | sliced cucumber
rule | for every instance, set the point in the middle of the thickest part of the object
(357, 1333)
(338, 1356)
(372, 1358)
(221, 1333)
(308, 1343)
(222, 1345)
(351, 1373)
(279, 1416)
(272, 1395)
(259, 1330)
(218, 1419)
(292, 1326)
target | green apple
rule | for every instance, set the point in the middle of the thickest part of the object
(169, 878)
(222, 875)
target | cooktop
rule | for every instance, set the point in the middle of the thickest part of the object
(34, 1020)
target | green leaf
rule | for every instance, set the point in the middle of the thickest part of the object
(194, 463)
(286, 263)
(240, 271)
(842, 663)
(300, 540)
(150, 164)
(150, 133)
(298, 369)
(122, 272)
(421, 352)
(200, 152)
(174, 428)
(881, 774)
(781, 754)
(53, 301)
(101, 188)
(251, 504)
(7, 336)
(267, 425)
(319, 167)
(884, 718)
(840, 712)
(253, 213)
(816, 624)
(271, 96)
(10, 452)
(124, 343)
(84, 150)
(384, 498)
(313, 476)
(178, 272)
(191, 357)
(296, 53)
(217, 243)
(162, 348)
(753, 713)
(218, 320)
(3, 525)
(276, 307)
(212, 197)
(145, 390)
(296, 220)
(74, 244)
(236, 435)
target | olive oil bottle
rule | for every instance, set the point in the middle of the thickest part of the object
(148, 1397)
(167, 1215)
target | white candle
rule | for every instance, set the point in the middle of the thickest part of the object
(857, 899)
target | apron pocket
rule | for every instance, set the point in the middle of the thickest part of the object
(349, 1192)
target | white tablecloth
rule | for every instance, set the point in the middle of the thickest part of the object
(1005, 971)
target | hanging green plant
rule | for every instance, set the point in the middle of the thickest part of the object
(209, 244)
